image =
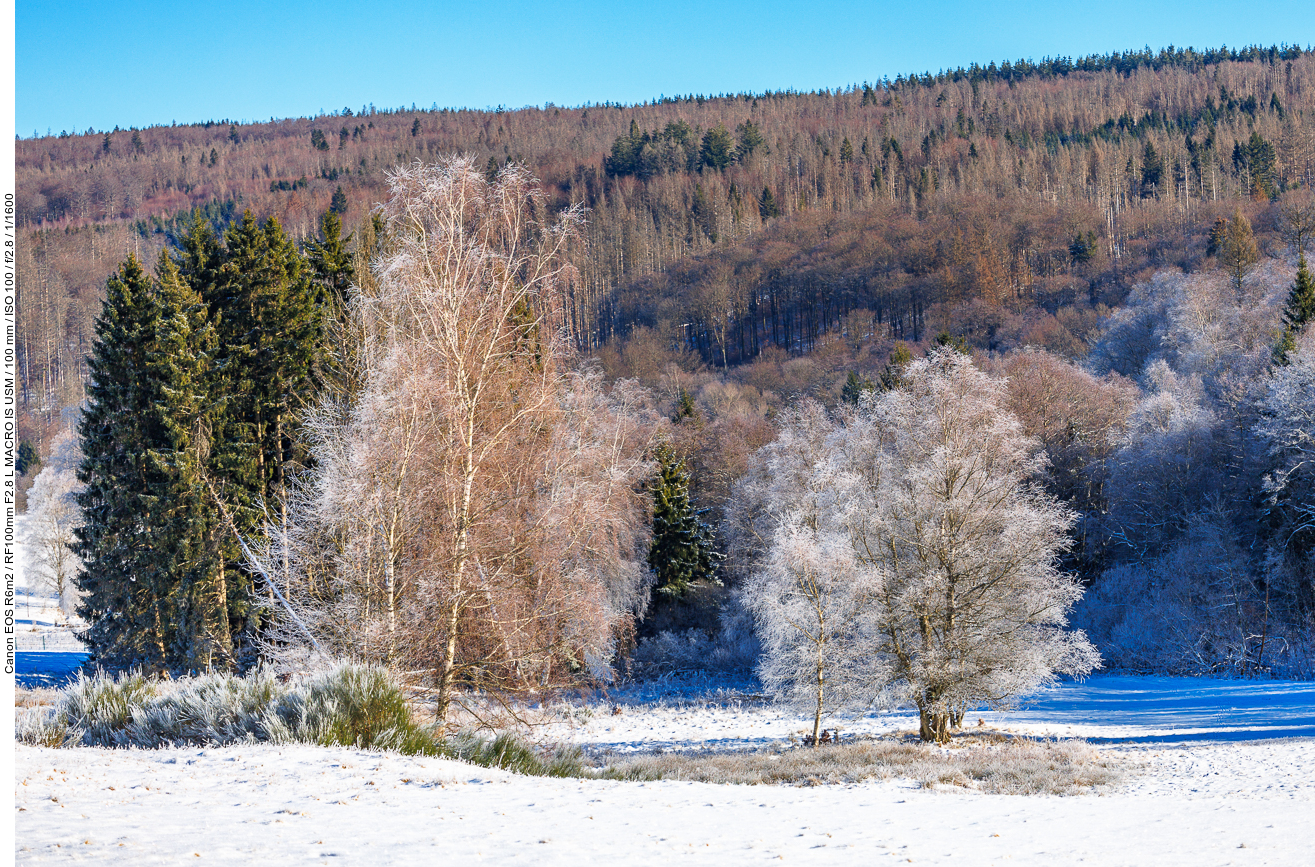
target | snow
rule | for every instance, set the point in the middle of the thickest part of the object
(1219, 779)
(1223, 773)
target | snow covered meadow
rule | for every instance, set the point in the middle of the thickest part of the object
(1218, 772)
(1215, 772)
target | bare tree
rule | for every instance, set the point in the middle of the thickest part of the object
(950, 552)
(53, 512)
(475, 512)
(1287, 426)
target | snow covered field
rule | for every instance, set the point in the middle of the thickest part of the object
(1223, 773)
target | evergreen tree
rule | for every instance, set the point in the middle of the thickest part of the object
(1299, 310)
(717, 149)
(1152, 170)
(28, 458)
(119, 603)
(211, 600)
(767, 207)
(1083, 248)
(330, 259)
(686, 408)
(855, 387)
(682, 552)
(338, 204)
(892, 375)
(153, 585)
(751, 138)
(624, 159)
(268, 314)
(1260, 161)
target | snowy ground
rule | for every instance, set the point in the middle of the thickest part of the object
(1225, 774)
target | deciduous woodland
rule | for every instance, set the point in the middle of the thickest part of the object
(514, 399)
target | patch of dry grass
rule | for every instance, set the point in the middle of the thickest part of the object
(40, 696)
(991, 764)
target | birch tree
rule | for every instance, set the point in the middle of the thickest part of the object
(475, 513)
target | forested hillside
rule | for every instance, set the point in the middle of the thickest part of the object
(1008, 204)
(1104, 257)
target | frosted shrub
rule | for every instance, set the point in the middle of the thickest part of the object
(102, 708)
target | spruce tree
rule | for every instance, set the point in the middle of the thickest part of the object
(717, 149)
(1299, 310)
(855, 387)
(338, 204)
(28, 458)
(152, 579)
(892, 375)
(211, 600)
(119, 602)
(682, 552)
(686, 408)
(268, 314)
(330, 259)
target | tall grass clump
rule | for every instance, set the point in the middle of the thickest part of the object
(510, 753)
(350, 705)
(360, 706)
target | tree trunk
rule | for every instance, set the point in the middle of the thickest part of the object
(817, 716)
(447, 667)
(933, 725)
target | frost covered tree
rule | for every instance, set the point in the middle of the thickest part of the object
(475, 509)
(1287, 426)
(53, 514)
(918, 510)
(811, 600)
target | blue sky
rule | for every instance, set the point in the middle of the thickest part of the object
(81, 64)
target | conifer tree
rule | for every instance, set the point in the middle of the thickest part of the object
(717, 149)
(153, 582)
(1299, 310)
(119, 603)
(338, 204)
(686, 408)
(682, 552)
(330, 259)
(28, 458)
(1238, 252)
(892, 375)
(855, 387)
(269, 324)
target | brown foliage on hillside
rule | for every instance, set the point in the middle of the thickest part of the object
(1007, 208)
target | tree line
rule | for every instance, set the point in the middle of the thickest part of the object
(1132, 157)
